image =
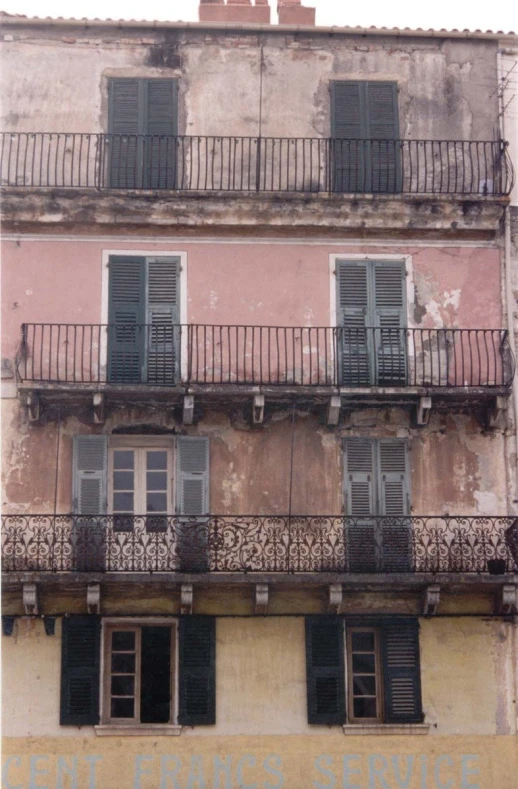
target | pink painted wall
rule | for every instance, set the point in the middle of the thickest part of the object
(59, 281)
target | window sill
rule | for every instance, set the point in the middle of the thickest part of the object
(156, 730)
(386, 729)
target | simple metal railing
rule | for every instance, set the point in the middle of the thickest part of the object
(254, 164)
(191, 354)
(259, 543)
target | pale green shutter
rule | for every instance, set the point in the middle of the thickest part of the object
(126, 318)
(89, 496)
(192, 499)
(394, 496)
(161, 128)
(163, 300)
(401, 670)
(125, 126)
(353, 314)
(382, 124)
(390, 321)
(360, 492)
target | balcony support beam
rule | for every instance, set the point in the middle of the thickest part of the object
(261, 598)
(335, 598)
(33, 406)
(333, 410)
(93, 598)
(497, 412)
(507, 603)
(30, 599)
(98, 403)
(188, 409)
(424, 408)
(186, 599)
(432, 596)
(258, 409)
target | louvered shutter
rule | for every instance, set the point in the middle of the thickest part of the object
(80, 660)
(325, 670)
(197, 671)
(383, 132)
(126, 318)
(161, 130)
(164, 318)
(354, 342)
(89, 495)
(360, 505)
(125, 127)
(401, 672)
(390, 321)
(348, 130)
(394, 500)
(192, 499)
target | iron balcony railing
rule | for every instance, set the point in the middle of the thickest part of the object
(259, 543)
(183, 355)
(254, 164)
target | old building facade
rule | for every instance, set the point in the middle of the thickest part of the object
(259, 432)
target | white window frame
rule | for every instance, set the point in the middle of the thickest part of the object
(166, 443)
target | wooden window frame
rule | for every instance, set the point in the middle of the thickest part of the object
(380, 718)
(139, 444)
(111, 625)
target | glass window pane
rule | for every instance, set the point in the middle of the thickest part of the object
(123, 502)
(123, 686)
(156, 502)
(364, 664)
(122, 708)
(365, 708)
(123, 640)
(363, 642)
(123, 480)
(364, 686)
(156, 480)
(157, 460)
(123, 663)
(123, 458)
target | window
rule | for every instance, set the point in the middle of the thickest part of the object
(377, 501)
(365, 131)
(154, 672)
(371, 317)
(363, 672)
(143, 125)
(144, 320)
(141, 484)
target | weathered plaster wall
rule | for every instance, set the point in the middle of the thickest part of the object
(55, 80)
(261, 680)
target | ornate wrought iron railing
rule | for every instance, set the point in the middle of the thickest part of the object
(195, 354)
(254, 164)
(259, 543)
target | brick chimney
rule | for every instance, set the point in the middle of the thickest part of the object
(240, 11)
(291, 12)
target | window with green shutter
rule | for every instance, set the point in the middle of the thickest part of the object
(192, 501)
(365, 132)
(80, 666)
(89, 498)
(377, 503)
(144, 320)
(363, 670)
(197, 662)
(371, 318)
(143, 129)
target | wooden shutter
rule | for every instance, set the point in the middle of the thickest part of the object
(90, 455)
(161, 130)
(354, 342)
(390, 319)
(193, 475)
(348, 130)
(197, 671)
(80, 660)
(361, 504)
(163, 289)
(325, 670)
(382, 123)
(401, 672)
(394, 504)
(125, 126)
(126, 318)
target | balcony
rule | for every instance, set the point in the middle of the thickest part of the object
(273, 545)
(338, 184)
(369, 365)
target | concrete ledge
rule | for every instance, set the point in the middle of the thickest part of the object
(385, 729)
(138, 730)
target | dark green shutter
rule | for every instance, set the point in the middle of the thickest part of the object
(390, 320)
(162, 129)
(325, 670)
(383, 131)
(348, 130)
(401, 672)
(126, 318)
(163, 298)
(80, 679)
(360, 504)
(125, 126)
(197, 671)
(395, 504)
(353, 316)
(89, 497)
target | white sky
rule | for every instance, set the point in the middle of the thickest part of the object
(462, 14)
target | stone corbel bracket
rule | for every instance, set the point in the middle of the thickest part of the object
(261, 598)
(30, 599)
(333, 410)
(93, 598)
(98, 403)
(186, 599)
(188, 410)
(335, 598)
(33, 406)
(508, 600)
(424, 408)
(432, 596)
(497, 412)
(258, 409)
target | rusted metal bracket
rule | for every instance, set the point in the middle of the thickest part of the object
(33, 406)
(432, 596)
(186, 598)
(261, 598)
(30, 599)
(335, 598)
(497, 412)
(93, 598)
(508, 600)
(188, 410)
(258, 409)
(424, 408)
(98, 402)
(333, 410)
